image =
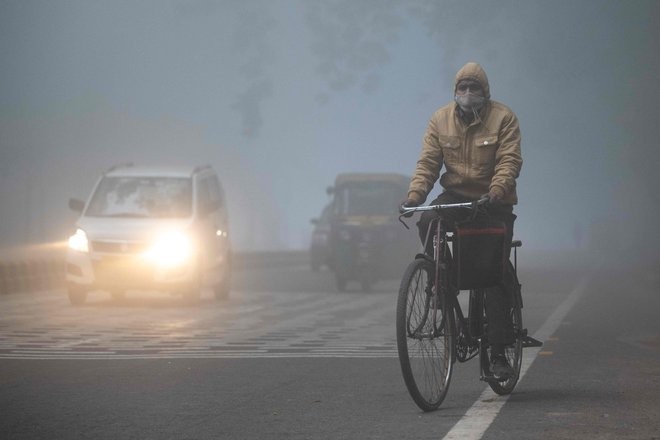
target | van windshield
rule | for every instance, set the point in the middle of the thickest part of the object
(368, 198)
(155, 197)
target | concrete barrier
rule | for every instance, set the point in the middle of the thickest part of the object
(30, 275)
(22, 270)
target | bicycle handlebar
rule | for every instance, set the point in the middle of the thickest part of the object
(472, 205)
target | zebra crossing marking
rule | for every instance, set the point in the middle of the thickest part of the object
(257, 325)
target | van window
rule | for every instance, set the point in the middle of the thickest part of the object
(209, 192)
(158, 197)
(203, 193)
(216, 191)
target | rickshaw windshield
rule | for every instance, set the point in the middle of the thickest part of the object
(368, 198)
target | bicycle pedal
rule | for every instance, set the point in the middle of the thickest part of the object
(528, 341)
(492, 379)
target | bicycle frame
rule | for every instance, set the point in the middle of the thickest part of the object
(441, 244)
(449, 302)
(444, 294)
(465, 337)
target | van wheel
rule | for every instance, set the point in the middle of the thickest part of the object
(77, 295)
(222, 289)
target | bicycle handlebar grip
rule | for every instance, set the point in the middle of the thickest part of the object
(405, 210)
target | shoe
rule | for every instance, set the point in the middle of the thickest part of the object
(500, 368)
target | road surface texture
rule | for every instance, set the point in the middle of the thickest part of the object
(289, 357)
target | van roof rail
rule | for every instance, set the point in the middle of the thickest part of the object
(199, 168)
(119, 165)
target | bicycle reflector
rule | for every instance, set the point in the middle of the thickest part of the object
(479, 253)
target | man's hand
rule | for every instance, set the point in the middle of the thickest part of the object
(409, 203)
(493, 197)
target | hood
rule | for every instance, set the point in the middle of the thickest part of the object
(128, 229)
(475, 72)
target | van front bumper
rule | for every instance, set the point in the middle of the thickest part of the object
(107, 271)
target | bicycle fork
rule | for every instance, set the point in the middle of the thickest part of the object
(440, 283)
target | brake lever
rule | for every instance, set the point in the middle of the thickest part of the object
(474, 210)
(402, 222)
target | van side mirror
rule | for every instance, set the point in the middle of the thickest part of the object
(76, 205)
(330, 190)
(314, 221)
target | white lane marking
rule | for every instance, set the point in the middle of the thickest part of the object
(481, 414)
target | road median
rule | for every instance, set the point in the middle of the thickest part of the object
(35, 268)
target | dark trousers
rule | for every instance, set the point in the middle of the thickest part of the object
(498, 299)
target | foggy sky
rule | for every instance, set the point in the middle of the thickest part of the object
(281, 96)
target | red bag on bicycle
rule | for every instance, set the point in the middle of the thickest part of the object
(479, 253)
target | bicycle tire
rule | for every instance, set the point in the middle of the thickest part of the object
(512, 352)
(426, 360)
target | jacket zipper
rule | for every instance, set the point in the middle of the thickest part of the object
(466, 152)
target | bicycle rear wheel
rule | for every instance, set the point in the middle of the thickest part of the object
(425, 339)
(512, 352)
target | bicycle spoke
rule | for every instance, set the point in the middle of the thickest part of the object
(419, 305)
(429, 362)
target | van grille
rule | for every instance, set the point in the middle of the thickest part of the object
(117, 270)
(118, 247)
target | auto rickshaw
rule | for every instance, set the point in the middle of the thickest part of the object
(366, 243)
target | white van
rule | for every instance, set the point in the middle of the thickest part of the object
(151, 228)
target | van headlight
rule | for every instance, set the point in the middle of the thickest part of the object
(170, 249)
(79, 242)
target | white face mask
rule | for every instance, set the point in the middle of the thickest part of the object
(469, 102)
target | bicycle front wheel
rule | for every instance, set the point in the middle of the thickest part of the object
(425, 338)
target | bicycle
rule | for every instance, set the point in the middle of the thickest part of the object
(432, 331)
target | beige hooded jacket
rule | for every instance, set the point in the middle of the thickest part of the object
(480, 157)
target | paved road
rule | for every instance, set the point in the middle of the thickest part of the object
(289, 357)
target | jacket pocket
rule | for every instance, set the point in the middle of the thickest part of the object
(449, 141)
(485, 147)
(451, 150)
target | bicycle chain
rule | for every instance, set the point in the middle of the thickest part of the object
(464, 350)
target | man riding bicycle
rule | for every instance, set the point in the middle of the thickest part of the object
(478, 141)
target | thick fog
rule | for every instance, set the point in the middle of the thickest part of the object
(282, 95)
